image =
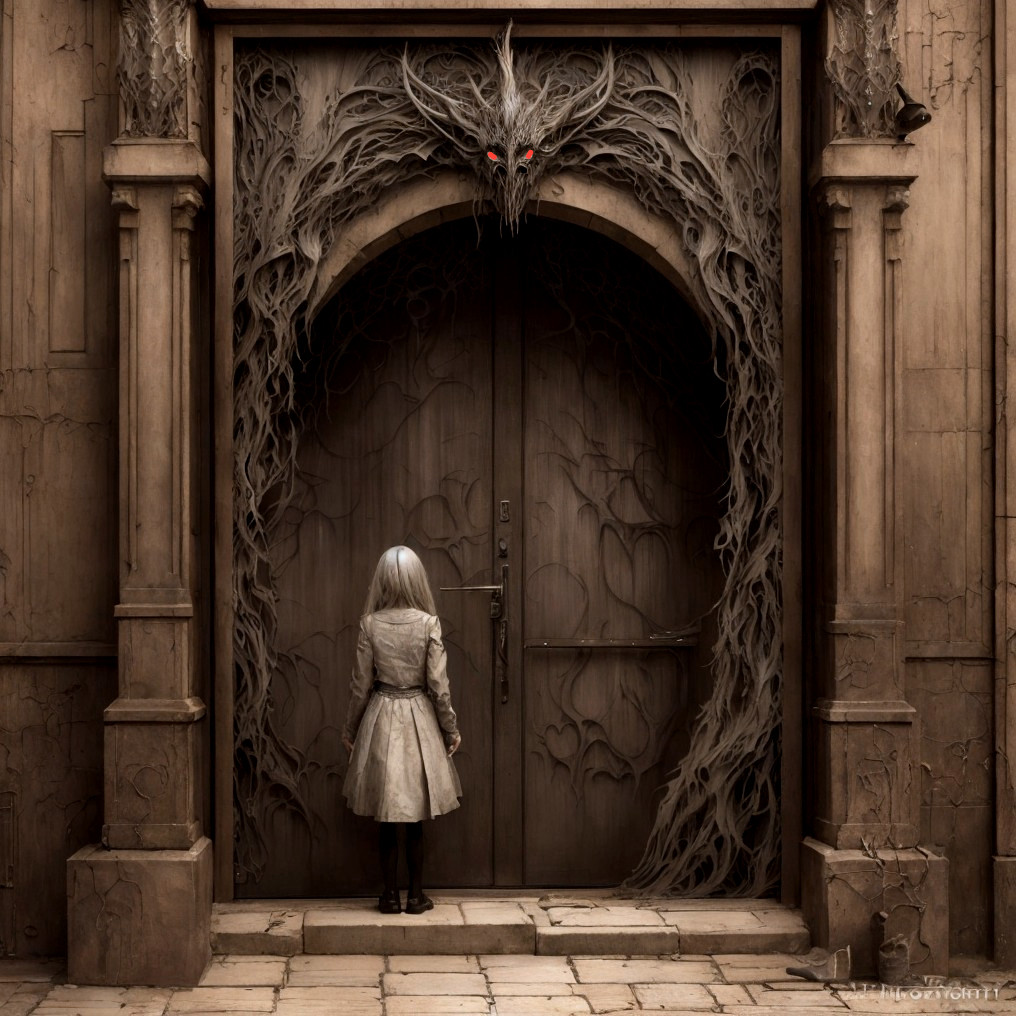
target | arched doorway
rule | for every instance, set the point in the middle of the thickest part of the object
(543, 403)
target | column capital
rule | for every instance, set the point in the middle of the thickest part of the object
(864, 160)
(834, 204)
(897, 199)
(154, 160)
(187, 202)
(125, 198)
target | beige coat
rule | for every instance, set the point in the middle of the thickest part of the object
(399, 708)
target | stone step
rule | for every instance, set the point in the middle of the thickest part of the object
(555, 924)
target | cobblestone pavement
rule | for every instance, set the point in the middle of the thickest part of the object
(502, 985)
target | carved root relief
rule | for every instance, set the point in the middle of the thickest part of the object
(154, 68)
(628, 120)
(863, 68)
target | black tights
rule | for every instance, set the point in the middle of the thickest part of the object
(388, 851)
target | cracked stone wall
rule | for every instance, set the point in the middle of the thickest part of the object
(50, 793)
(57, 451)
(947, 452)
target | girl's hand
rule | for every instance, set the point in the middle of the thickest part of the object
(348, 745)
(454, 746)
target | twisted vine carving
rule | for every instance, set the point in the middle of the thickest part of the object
(154, 68)
(630, 119)
(864, 68)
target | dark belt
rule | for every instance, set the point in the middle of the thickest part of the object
(394, 691)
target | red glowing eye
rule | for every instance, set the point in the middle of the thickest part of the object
(529, 154)
(492, 156)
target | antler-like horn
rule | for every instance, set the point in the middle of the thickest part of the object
(441, 111)
(509, 90)
(596, 94)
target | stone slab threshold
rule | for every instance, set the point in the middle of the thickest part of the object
(542, 924)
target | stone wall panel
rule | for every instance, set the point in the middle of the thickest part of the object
(57, 341)
(955, 701)
(57, 451)
(947, 351)
(51, 778)
(946, 580)
(946, 451)
(964, 834)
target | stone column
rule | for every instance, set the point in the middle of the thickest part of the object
(864, 856)
(139, 904)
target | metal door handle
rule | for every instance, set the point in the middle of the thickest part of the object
(497, 593)
(501, 660)
(498, 614)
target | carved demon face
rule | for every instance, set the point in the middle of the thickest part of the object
(510, 164)
(507, 172)
(507, 125)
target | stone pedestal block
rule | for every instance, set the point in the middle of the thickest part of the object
(156, 656)
(869, 751)
(139, 916)
(843, 889)
(865, 657)
(153, 792)
(1005, 911)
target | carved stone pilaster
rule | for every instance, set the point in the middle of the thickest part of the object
(863, 854)
(139, 904)
(155, 730)
(865, 787)
(157, 71)
(862, 66)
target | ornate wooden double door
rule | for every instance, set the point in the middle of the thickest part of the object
(538, 414)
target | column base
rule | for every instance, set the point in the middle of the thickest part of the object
(1005, 911)
(842, 889)
(139, 916)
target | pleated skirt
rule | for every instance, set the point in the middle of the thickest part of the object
(399, 770)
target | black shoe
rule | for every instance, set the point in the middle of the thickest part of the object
(389, 903)
(418, 904)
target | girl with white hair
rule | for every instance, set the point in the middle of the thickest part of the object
(401, 730)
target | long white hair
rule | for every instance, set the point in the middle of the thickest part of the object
(399, 581)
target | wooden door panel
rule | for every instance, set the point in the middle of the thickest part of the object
(552, 371)
(599, 740)
(400, 452)
(621, 508)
